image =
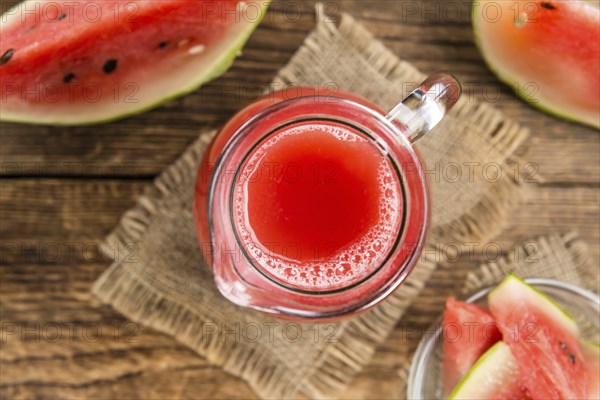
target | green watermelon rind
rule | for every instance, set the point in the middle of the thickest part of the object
(595, 346)
(563, 318)
(476, 368)
(219, 67)
(510, 80)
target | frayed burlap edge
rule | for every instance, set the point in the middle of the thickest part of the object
(571, 262)
(340, 361)
(136, 220)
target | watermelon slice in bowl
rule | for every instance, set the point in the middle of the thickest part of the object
(543, 338)
(468, 331)
(73, 63)
(427, 369)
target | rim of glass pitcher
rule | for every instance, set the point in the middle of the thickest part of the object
(246, 128)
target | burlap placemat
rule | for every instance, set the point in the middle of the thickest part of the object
(565, 258)
(562, 257)
(168, 286)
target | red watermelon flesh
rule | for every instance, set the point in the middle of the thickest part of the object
(543, 339)
(468, 332)
(76, 62)
(591, 354)
(547, 51)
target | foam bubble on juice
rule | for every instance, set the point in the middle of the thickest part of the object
(350, 263)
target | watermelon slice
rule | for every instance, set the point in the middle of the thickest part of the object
(495, 376)
(468, 332)
(591, 354)
(543, 338)
(65, 62)
(547, 51)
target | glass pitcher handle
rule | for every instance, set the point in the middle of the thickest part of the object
(426, 105)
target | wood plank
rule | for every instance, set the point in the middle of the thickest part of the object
(59, 209)
(181, 383)
(40, 211)
(144, 145)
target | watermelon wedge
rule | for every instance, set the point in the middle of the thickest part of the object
(495, 376)
(468, 332)
(67, 63)
(543, 339)
(547, 51)
(591, 354)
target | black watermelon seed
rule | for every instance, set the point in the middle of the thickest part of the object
(572, 357)
(68, 77)
(548, 6)
(162, 45)
(110, 66)
(61, 17)
(6, 56)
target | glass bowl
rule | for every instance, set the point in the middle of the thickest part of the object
(425, 379)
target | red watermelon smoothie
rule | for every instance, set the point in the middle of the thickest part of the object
(311, 205)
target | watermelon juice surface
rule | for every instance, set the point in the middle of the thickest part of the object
(317, 206)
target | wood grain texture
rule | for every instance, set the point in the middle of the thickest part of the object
(63, 189)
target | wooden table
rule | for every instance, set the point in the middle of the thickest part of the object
(63, 189)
